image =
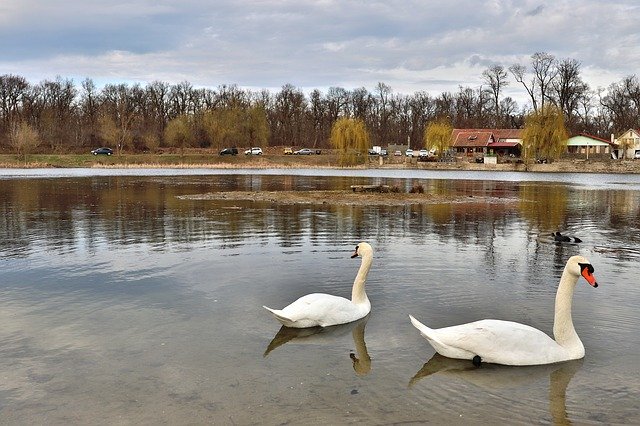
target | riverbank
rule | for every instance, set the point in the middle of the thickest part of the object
(271, 160)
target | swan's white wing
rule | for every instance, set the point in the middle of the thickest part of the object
(319, 309)
(502, 342)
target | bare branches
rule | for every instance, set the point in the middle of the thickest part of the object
(496, 77)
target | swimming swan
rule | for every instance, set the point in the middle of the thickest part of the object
(323, 310)
(511, 343)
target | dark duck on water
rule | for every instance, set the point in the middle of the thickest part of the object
(565, 238)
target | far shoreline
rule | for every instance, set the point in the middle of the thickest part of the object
(208, 160)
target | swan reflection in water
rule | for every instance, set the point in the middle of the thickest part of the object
(361, 360)
(496, 377)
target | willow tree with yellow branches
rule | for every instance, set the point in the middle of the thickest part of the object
(179, 133)
(350, 137)
(544, 135)
(437, 135)
(24, 139)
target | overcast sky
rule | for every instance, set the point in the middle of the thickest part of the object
(411, 46)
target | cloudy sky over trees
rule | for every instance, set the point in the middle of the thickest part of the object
(431, 46)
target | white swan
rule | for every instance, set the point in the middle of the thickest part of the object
(511, 343)
(323, 310)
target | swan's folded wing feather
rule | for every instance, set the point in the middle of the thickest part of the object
(502, 342)
(320, 307)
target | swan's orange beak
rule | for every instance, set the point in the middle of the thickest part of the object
(587, 273)
(355, 253)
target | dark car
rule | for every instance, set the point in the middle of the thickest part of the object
(229, 151)
(102, 151)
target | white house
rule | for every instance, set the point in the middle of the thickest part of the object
(628, 144)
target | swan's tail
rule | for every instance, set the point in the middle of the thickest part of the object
(427, 333)
(278, 314)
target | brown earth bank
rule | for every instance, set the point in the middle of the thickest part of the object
(346, 197)
(274, 158)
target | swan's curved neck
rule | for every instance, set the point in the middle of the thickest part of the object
(358, 294)
(563, 330)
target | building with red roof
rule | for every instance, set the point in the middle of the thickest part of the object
(487, 141)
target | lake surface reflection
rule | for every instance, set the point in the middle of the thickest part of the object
(125, 302)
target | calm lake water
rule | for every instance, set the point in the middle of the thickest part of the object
(124, 302)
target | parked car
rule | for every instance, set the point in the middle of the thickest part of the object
(288, 151)
(637, 155)
(427, 158)
(423, 153)
(398, 153)
(409, 152)
(253, 151)
(372, 152)
(303, 151)
(383, 152)
(102, 151)
(229, 151)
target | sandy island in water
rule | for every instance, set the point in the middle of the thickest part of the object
(345, 197)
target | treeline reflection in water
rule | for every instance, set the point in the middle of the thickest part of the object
(71, 213)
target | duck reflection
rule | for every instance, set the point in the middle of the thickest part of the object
(360, 358)
(496, 377)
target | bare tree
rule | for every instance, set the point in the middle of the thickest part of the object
(362, 104)
(569, 90)
(632, 91)
(13, 88)
(445, 107)
(118, 115)
(496, 77)
(54, 103)
(337, 103)
(383, 93)
(158, 98)
(230, 96)
(519, 73)
(181, 99)
(510, 117)
(470, 107)
(619, 106)
(422, 109)
(545, 71)
(317, 113)
(288, 116)
(89, 107)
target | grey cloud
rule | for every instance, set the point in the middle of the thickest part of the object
(417, 44)
(537, 11)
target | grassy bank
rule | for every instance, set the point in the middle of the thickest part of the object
(191, 159)
(200, 159)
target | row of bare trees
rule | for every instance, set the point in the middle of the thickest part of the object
(71, 118)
